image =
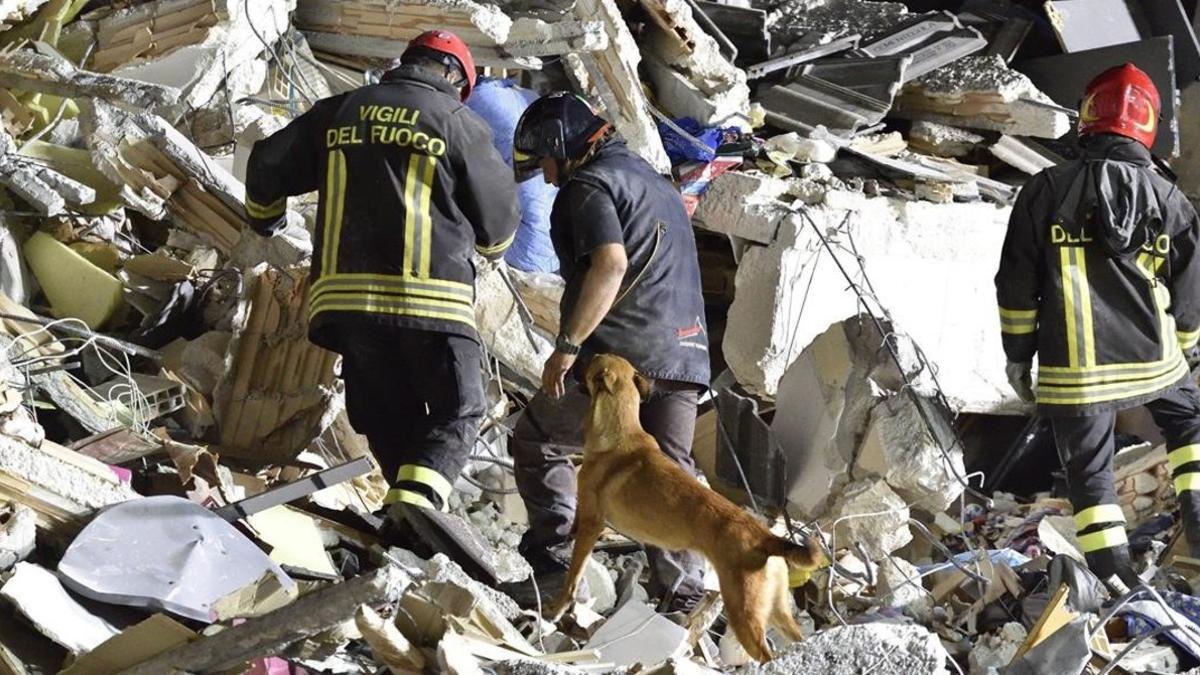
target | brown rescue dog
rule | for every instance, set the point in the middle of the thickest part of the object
(627, 480)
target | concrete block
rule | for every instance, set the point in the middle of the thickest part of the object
(930, 265)
(994, 651)
(824, 402)
(498, 319)
(744, 204)
(899, 585)
(880, 518)
(50, 73)
(899, 448)
(982, 92)
(853, 650)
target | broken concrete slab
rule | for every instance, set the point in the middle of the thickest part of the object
(15, 11)
(50, 192)
(190, 45)
(611, 77)
(932, 40)
(1023, 154)
(49, 73)
(38, 595)
(163, 174)
(898, 446)
(745, 205)
(898, 585)
(790, 291)
(874, 516)
(942, 140)
(503, 329)
(851, 650)
(824, 403)
(691, 76)
(60, 485)
(982, 92)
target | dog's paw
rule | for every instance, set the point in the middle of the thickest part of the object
(555, 611)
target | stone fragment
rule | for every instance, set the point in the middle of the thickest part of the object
(744, 204)
(1144, 483)
(50, 73)
(878, 518)
(993, 651)
(853, 650)
(942, 140)
(503, 330)
(899, 585)
(900, 448)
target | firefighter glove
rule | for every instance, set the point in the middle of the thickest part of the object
(1020, 378)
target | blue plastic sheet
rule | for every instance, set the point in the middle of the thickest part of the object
(500, 103)
(696, 144)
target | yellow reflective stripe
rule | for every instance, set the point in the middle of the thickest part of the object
(1066, 266)
(334, 197)
(521, 156)
(1187, 339)
(377, 302)
(1085, 394)
(1018, 314)
(468, 289)
(1187, 481)
(426, 476)
(425, 190)
(410, 214)
(335, 304)
(1162, 300)
(262, 211)
(408, 497)
(1085, 308)
(1104, 513)
(398, 285)
(1182, 455)
(498, 248)
(1105, 375)
(1113, 536)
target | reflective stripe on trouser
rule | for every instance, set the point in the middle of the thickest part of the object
(418, 398)
(1085, 446)
(420, 485)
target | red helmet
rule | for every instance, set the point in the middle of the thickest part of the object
(1121, 100)
(445, 42)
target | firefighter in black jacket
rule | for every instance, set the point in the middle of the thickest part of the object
(1099, 278)
(410, 187)
(626, 250)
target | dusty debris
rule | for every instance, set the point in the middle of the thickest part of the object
(892, 648)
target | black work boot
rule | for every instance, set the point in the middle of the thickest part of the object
(1189, 514)
(1113, 562)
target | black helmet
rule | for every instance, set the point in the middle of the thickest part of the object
(560, 125)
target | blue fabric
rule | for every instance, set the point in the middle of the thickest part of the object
(1140, 618)
(682, 149)
(500, 103)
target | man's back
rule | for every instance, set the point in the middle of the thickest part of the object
(1096, 278)
(409, 186)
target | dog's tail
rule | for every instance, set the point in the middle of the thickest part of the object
(806, 556)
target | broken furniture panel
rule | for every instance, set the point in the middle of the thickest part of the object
(744, 26)
(278, 391)
(933, 40)
(294, 490)
(1064, 77)
(170, 554)
(1082, 25)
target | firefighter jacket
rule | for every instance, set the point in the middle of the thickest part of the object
(410, 186)
(657, 320)
(1098, 277)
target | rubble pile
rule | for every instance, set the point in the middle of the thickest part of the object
(181, 489)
